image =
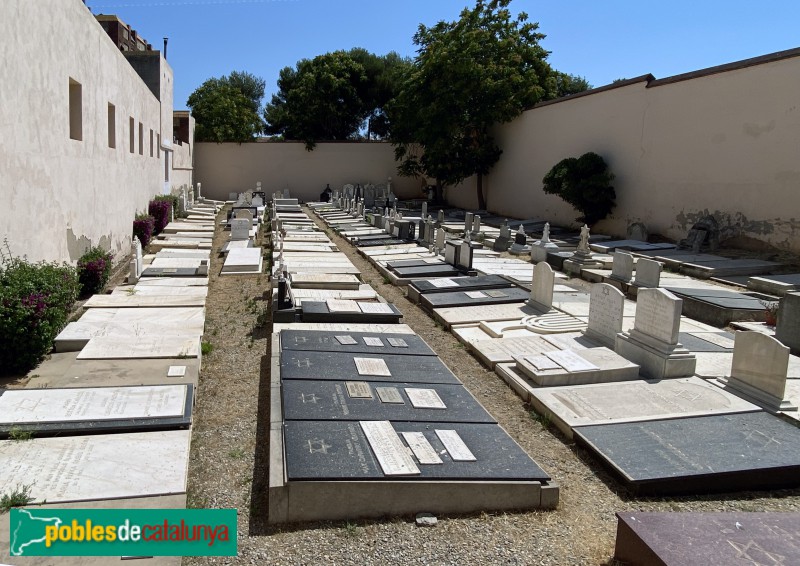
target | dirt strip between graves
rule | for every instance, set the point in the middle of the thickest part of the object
(228, 466)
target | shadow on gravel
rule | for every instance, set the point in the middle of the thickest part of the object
(259, 504)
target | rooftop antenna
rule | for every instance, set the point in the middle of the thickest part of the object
(166, 39)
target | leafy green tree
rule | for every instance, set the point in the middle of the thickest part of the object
(567, 84)
(585, 183)
(469, 75)
(226, 109)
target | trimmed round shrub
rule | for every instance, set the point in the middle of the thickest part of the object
(94, 269)
(143, 228)
(35, 301)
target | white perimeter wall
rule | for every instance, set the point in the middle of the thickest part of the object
(61, 195)
(726, 144)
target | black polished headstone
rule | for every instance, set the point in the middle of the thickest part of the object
(433, 270)
(102, 426)
(700, 539)
(308, 400)
(344, 341)
(325, 450)
(461, 299)
(743, 451)
(317, 311)
(341, 366)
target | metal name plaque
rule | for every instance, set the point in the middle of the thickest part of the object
(421, 448)
(442, 283)
(346, 340)
(388, 448)
(358, 389)
(375, 308)
(475, 294)
(397, 342)
(455, 446)
(373, 341)
(424, 398)
(390, 395)
(372, 366)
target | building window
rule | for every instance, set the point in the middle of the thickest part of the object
(112, 125)
(158, 146)
(131, 126)
(151, 143)
(75, 110)
(141, 139)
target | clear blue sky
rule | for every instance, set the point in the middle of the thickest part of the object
(602, 40)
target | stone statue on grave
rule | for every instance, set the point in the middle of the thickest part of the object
(583, 244)
(545, 234)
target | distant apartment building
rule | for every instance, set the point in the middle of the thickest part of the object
(122, 34)
(86, 131)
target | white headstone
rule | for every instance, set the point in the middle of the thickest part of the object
(244, 213)
(606, 304)
(439, 239)
(136, 261)
(622, 268)
(648, 273)
(476, 224)
(199, 194)
(240, 228)
(258, 201)
(658, 315)
(542, 287)
(760, 366)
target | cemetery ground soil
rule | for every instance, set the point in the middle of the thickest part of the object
(229, 458)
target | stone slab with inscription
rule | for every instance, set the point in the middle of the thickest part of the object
(343, 366)
(449, 316)
(419, 287)
(322, 341)
(170, 272)
(742, 451)
(699, 539)
(325, 450)
(575, 367)
(103, 466)
(630, 401)
(140, 347)
(325, 281)
(310, 400)
(506, 295)
(142, 301)
(79, 410)
(318, 311)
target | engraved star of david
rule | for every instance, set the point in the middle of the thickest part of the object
(310, 397)
(743, 551)
(684, 393)
(27, 404)
(305, 363)
(300, 339)
(766, 439)
(605, 290)
(317, 446)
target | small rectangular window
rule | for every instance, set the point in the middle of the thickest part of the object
(112, 125)
(158, 146)
(131, 126)
(75, 110)
(141, 139)
(151, 143)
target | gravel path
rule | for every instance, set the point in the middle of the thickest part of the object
(228, 466)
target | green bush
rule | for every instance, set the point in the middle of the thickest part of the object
(585, 183)
(94, 269)
(35, 301)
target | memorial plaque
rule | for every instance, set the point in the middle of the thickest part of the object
(422, 449)
(389, 395)
(475, 294)
(355, 342)
(542, 363)
(496, 294)
(340, 366)
(388, 448)
(443, 283)
(571, 361)
(104, 466)
(358, 389)
(306, 400)
(338, 450)
(375, 308)
(342, 305)
(424, 398)
(372, 366)
(176, 371)
(700, 539)
(96, 409)
(744, 451)
(455, 446)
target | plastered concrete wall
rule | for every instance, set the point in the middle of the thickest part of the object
(230, 167)
(724, 144)
(61, 195)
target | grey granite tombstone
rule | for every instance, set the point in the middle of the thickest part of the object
(697, 455)
(648, 273)
(452, 249)
(759, 369)
(520, 245)
(357, 342)
(476, 226)
(468, 221)
(637, 231)
(788, 328)
(424, 212)
(440, 218)
(606, 305)
(622, 268)
(503, 241)
(653, 341)
(439, 240)
(465, 255)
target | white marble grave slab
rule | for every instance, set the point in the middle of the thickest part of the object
(375, 308)
(172, 282)
(109, 466)
(191, 317)
(76, 335)
(140, 347)
(300, 295)
(344, 327)
(192, 291)
(609, 365)
(465, 315)
(142, 300)
(325, 281)
(96, 403)
(243, 261)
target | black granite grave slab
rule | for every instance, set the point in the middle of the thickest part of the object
(317, 311)
(325, 450)
(461, 299)
(341, 366)
(743, 451)
(434, 270)
(365, 243)
(102, 426)
(309, 400)
(718, 307)
(557, 259)
(701, 539)
(696, 344)
(717, 268)
(413, 263)
(169, 272)
(371, 237)
(425, 286)
(327, 341)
